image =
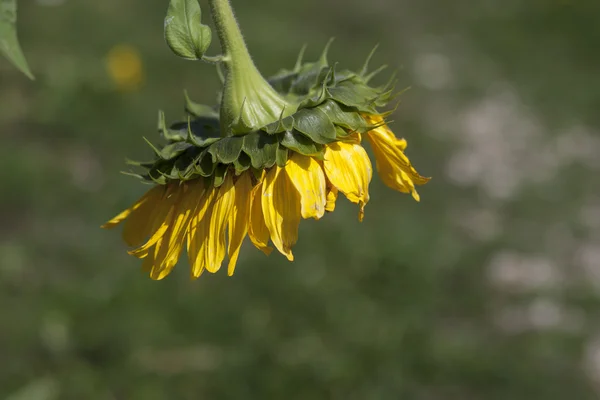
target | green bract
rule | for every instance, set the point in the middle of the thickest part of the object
(331, 104)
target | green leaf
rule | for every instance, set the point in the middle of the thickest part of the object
(9, 44)
(185, 34)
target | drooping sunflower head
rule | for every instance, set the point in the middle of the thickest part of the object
(223, 175)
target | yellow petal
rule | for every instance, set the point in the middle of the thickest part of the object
(137, 227)
(197, 232)
(307, 177)
(385, 130)
(238, 220)
(210, 232)
(257, 230)
(214, 246)
(401, 144)
(155, 192)
(161, 219)
(281, 208)
(169, 248)
(332, 194)
(393, 166)
(348, 168)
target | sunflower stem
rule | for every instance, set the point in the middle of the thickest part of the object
(249, 102)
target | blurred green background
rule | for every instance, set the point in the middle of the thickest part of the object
(487, 289)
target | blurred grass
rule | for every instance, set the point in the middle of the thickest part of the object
(413, 303)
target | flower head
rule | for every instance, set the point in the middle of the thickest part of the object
(219, 179)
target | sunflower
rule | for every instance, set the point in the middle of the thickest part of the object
(280, 150)
(212, 221)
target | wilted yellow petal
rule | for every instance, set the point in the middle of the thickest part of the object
(238, 220)
(307, 177)
(332, 194)
(257, 230)
(348, 168)
(281, 209)
(401, 144)
(393, 166)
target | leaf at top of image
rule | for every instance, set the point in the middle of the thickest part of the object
(9, 43)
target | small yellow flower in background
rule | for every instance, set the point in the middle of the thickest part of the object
(124, 67)
(277, 151)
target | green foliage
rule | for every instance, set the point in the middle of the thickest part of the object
(9, 44)
(185, 34)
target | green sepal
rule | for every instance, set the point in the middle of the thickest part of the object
(318, 95)
(153, 147)
(227, 150)
(173, 134)
(281, 156)
(299, 143)
(242, 163)
(142, 164)
(354, 94)
(198, 110)
(160, 171)
(315, 124)
(344, 116)
(199, 132)
(220, 174)
(173, 150)
(262, 149)
(133, 174)
(342, 133)
(185, 163)
(184, 33)
(283, 124)
(204, 165)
